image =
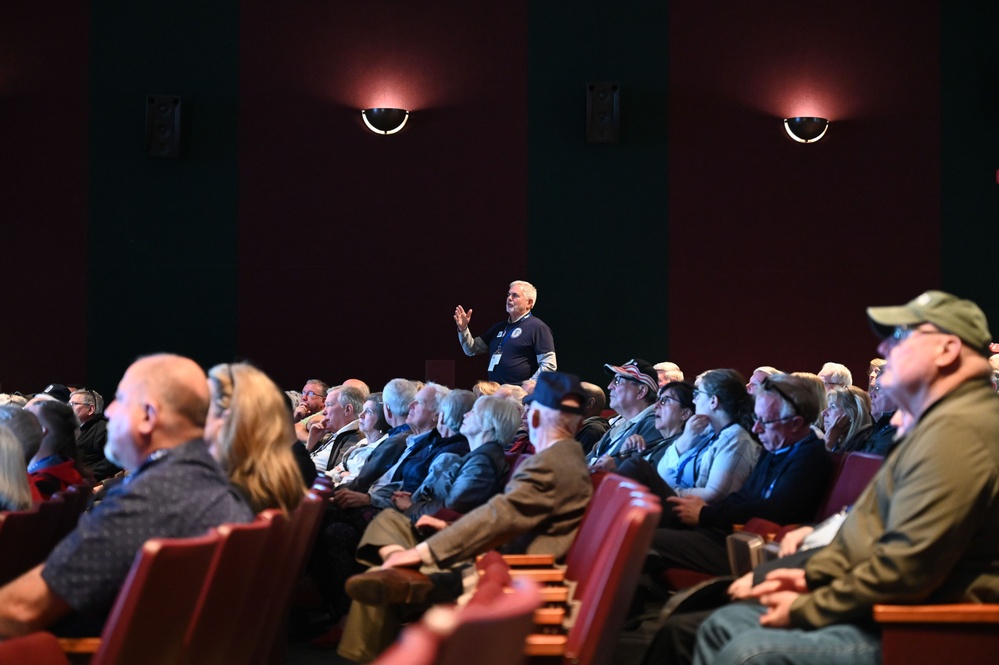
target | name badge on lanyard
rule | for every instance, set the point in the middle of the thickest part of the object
(494, 361)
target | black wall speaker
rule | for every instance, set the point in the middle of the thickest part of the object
(603, 112)
(163, 126)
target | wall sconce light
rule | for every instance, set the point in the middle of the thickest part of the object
(806, 130)
(385, 121)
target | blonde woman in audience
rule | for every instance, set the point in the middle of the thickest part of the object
(249, 432)
(15, 492)
(847, 419)
(485, 388)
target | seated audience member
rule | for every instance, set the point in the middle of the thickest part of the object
(350, 513)
(714, 455)
(883, 432)
(337, 431)
(873, 369)
(332, 559)
(12, 400)
(312, 396)
(155, 429)
(303, 461)
(361, 386)
(758, 376)
(28, 431)
(594, 424)
(446, 437)
(511, 391)
(667, 372)
(632, 395)
(55, 391)
(786, 486)
(397, 395)
(521, 442)
(309, 409)
(846, 420)
(56, 465)
(820, 394)
(835, 375)
(374, 427)
(673, 409)
(924, 531)
(15, 492)
(539, 512)
(25, 427)
(247, 432)
(463, 483)
(484, 388)
(89, 409)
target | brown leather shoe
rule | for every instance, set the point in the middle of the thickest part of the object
(389, 586)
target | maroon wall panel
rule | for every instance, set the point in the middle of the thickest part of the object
(776, 247)
(354, 248)
(43, 193)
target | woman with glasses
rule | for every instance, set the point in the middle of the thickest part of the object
(249, 433)
(715, 453)
(847, 419)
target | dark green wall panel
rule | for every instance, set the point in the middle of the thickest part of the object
(597, 212)
(162, 231)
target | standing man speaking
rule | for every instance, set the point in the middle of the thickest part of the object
(519, 348)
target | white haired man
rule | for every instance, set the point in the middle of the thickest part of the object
(835, 375)
(519, 348)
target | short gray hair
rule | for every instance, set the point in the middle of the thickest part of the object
(440, 392)
(454, 406)
(499, 415)
(350, 395)
(397, 395)
(838, 374)
(530, 292)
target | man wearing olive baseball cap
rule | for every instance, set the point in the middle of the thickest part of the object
(925, 531)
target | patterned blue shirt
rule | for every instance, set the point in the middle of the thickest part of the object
(176, 493)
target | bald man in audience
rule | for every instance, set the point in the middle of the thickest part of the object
(155, 428)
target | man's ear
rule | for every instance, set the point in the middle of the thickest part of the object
(534, 418)
(950, 352)
(151, 418)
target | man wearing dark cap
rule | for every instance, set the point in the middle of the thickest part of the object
(539, 512)
(924, 531)
(56, 391)
(633, 392)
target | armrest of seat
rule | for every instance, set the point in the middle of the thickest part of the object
(948, 613)
(527, 560)
(538, 644)
(80, 644)
(539, 575)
